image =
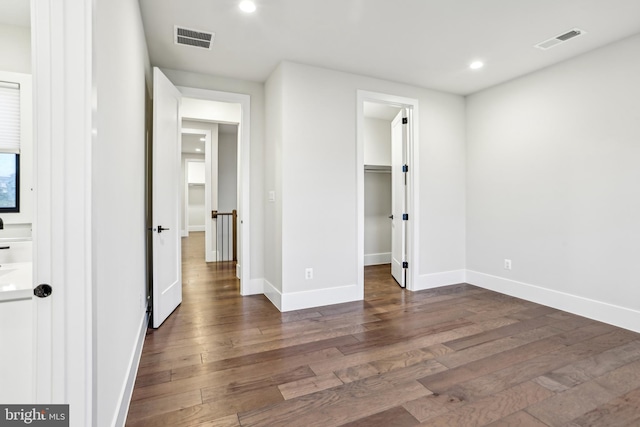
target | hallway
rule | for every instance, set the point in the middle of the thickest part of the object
(457, 355)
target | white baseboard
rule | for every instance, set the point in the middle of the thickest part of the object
(608, 313)
(120, 416)
(196, 228)
(184, 233)
(273, 294)
(253, 287)
(377, 259)
(435, 280)
(309, 299)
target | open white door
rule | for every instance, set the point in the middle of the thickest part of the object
(399, 197)
(165, 193)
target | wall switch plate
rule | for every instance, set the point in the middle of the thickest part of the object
(507, 264)
(308, 273)
(272, 196)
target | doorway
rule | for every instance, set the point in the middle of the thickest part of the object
(210, 191)
(379, 221)
(198, 98)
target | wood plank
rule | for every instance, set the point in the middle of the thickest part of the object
(456, 355)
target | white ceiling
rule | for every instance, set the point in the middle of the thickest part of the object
(427, 43)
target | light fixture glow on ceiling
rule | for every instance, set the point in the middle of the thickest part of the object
(476, 65)
(198, 149)
(247, 6)
(202, 139)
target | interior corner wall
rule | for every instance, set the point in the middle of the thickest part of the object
(118, 185)
(553, 185)
(319, 192)
(273, 185)
(227, 171)
(256, 92)
(15, 49)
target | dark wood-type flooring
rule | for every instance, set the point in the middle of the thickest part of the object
(454, 356)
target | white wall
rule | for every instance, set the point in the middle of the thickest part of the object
(256, 91)
(118, 213)
(274, 110)
(15, 48)
(319, 180)
(227, 171)
(377, 141)
(553, 185)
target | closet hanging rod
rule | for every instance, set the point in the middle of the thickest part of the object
(377, 168)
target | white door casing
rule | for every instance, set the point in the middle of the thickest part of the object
(167, 257)
(248, 286)
(413, 182)
(398, 197)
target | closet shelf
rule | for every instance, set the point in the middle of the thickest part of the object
(377, 168)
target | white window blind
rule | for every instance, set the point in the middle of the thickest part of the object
(9, 117)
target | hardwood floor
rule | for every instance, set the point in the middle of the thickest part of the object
(454, 356)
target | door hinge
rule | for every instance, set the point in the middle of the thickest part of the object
(405, 217)
(405, 264)
(405, 168)
(405, 120)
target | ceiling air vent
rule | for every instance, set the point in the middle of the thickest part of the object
(561, 38)
(195, 38)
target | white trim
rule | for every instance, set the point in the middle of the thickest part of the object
(310, 299)
(609, 313)
(244, 182)
(273, 294)
(413, 202)
(444, 278)
(320, 297)
(185, 233)
(196, 228)
(120, 416)
(377, 259)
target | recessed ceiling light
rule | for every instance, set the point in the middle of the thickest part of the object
(247, 6)
(197, 149)
(476, 65)
(202, 139)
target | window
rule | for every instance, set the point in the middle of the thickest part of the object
(9, 147)
(9, 182)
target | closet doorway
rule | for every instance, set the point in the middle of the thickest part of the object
(387, 212)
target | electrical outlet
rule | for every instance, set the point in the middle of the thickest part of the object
(507, 264)
(308, 273)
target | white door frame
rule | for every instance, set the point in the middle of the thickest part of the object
(207, 183)
(413, 226)
(63, 94)
(244, 183)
